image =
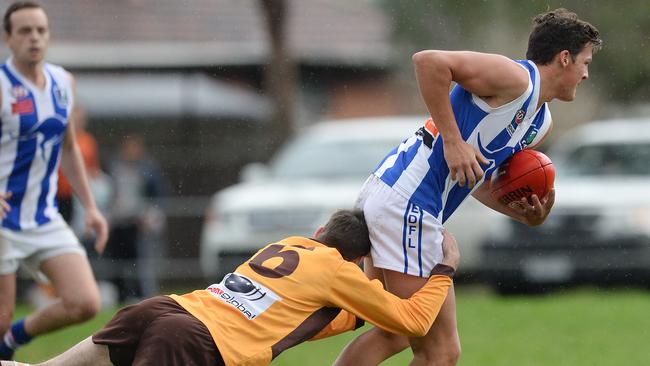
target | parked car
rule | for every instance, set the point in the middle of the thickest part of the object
(321, 170)
(599, 229)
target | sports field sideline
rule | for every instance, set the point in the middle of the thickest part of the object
(576, 327)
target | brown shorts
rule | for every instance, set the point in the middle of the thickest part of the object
(158, 331)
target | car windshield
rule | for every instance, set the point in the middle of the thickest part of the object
(616, 159)
(330, 159)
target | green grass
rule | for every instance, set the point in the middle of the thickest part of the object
(581, 327)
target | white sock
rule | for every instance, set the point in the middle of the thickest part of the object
(9, 340)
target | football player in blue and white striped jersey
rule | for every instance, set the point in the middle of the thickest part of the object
(497, 107)
(35, 136)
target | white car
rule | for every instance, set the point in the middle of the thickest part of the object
(321, 170)
(599, 229)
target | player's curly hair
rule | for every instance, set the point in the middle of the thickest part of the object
(347, 231)
(559, 30)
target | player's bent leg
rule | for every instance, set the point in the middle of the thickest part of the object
(75, 284)
(371, 348)
(375, 345)
(441, 345)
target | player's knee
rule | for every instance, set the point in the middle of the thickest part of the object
(438, 354)
(80, 310)
(394, 341)
(387, 336)
(453, 354)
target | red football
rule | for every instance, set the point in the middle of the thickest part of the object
(525, 173)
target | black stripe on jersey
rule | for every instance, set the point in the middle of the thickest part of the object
(307, 329)
(427, 138)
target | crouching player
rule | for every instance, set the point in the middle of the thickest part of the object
(289, 292)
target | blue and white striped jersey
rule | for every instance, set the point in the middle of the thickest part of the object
(417, 168)
(33, 123)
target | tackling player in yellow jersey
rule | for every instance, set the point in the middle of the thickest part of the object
(289, 292)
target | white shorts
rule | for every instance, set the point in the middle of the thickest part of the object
(404, 237)
(32, 246)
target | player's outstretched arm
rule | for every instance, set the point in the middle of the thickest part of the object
(354, 292)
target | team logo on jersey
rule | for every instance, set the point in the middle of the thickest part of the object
(516, 121)
(19, 92)
(247, 296)
(528, 138)
(60, 96)
(519, 116)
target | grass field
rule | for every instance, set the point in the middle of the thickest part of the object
(580, 327)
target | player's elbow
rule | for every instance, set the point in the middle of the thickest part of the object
(425, 58)
(433, 65)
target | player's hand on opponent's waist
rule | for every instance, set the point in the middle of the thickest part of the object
(451, 254)
(4, 205)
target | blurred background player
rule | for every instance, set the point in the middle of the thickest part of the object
(135, 218)
(37, 100)
(498, 107)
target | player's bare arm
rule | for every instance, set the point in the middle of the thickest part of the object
(346, 320)
(531, 212)
(73, 168)
(495, 78)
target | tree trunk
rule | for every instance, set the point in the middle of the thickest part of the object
(279, 74)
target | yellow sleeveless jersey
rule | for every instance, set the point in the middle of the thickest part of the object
(299, 289)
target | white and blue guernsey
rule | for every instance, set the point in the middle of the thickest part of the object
(33, 123)
(417, 168)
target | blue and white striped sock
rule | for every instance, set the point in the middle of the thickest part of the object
(15, 337)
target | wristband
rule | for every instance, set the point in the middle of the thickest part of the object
(443, 269)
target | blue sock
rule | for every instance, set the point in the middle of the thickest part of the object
(16, 336)
(6, 352)
(7, 346)
(18, 330)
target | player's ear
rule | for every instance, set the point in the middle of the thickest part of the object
(319, 231)
(564, 58)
